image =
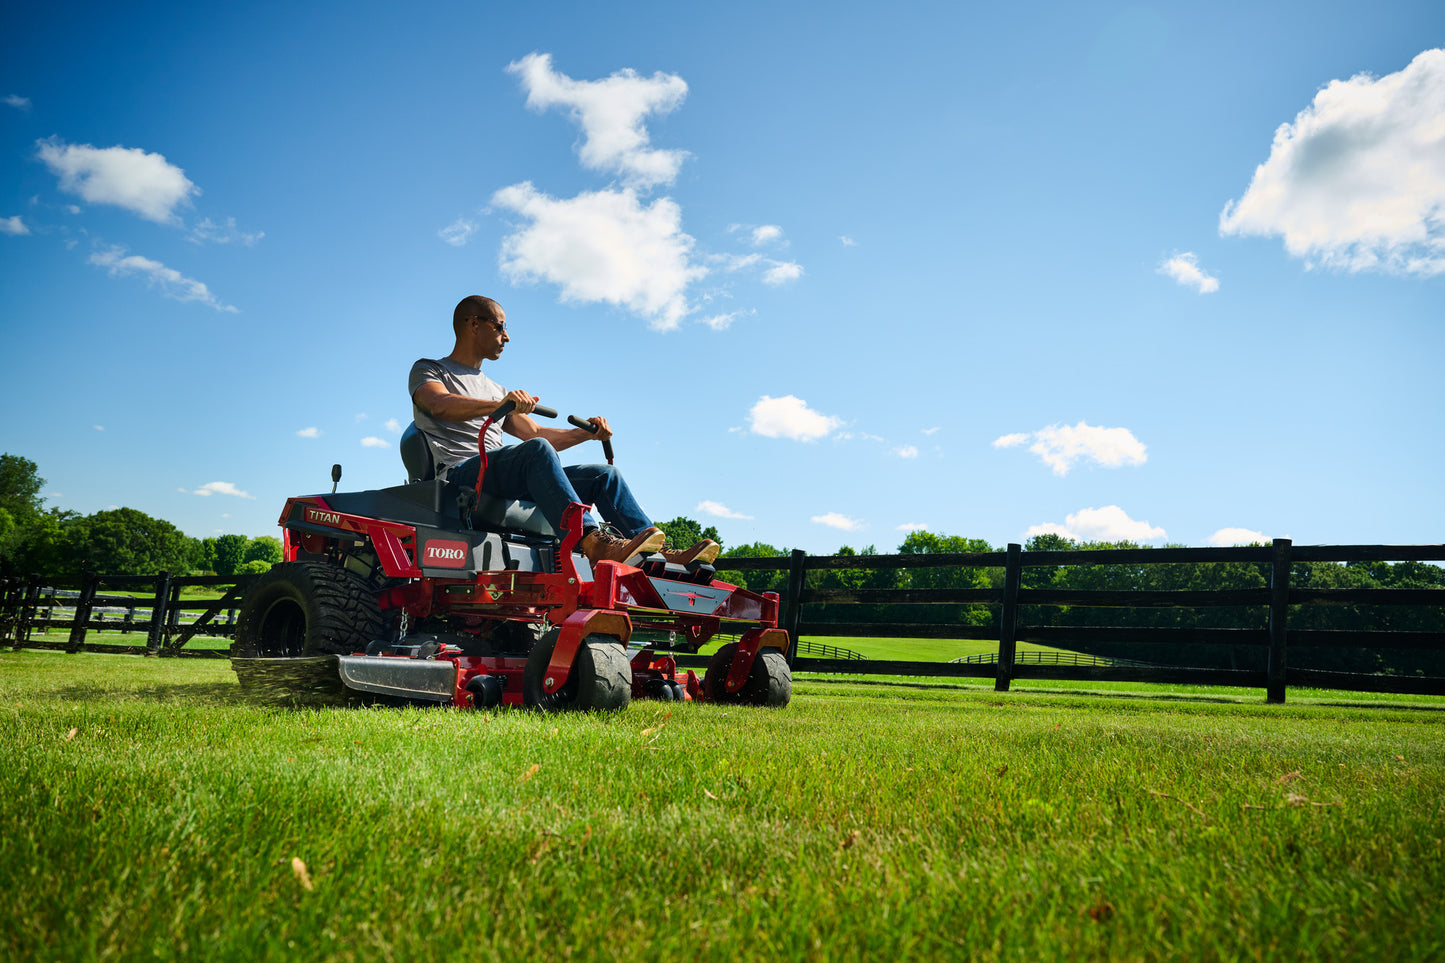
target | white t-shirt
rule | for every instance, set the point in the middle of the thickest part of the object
(453, 442)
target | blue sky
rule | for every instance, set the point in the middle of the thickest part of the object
(1169, 272)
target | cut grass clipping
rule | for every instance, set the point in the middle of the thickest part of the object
(150, 810)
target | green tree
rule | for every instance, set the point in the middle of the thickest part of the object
(264, 548)
(19, 485)
(20, 508)
(757, 580)
(124, 541)
(46, 548)
(229, 554)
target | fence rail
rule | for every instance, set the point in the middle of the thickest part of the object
(1009, 597)
(22, 602)
(29, 607)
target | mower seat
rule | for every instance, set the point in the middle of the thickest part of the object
(491, 512)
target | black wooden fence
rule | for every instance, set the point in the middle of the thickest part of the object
(1277, 600)
(150, 607)
(27, 613)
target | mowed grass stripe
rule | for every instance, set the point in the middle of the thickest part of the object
(150, 810)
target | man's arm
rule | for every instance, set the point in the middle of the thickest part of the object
(443, 405)
(525, 428)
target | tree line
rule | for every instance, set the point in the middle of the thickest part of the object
(35, 540)
(124, 541)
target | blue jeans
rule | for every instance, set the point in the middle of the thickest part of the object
(533, 472)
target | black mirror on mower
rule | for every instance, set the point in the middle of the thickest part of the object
(335, 477)
(589, 426)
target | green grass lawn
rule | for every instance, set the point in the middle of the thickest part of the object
(151, 811)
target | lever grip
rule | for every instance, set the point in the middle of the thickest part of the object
(589, 426)
(507, 407)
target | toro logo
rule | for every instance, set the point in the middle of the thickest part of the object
(325, 518)
(441, 553)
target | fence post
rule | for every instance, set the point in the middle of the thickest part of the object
(1278, 619)
(83, 605)
(793, 614)
(157, 632)
(173, 618)
(9, 607)
(27, 611)
(1008, 619)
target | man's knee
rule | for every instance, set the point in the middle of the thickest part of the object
(537, 448)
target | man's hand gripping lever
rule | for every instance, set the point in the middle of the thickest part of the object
(469, 498)
(593, 427)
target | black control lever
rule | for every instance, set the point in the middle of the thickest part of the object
(592, 427)
(507, 407)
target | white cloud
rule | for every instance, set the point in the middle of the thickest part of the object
(735, 262)
(309, 433)
(18, 102)
(1108, 524)
(1226, 537)
(766, 234)
(457, 232)
(789, 417)
(228, 233)
(841, 522)
(1061, 446)
(781, 272)
(128, 177)
(392, 425)
(1184, 269)
(913, 527)
(848, 241)
(603, 246)
(1357, 180)
(720, 322)
(906, 451)
(171, 283)
(98, 427)
(934, 431)
(371, 441)
(612, 114)
(719, 510)
(221, 488)
(13, 225)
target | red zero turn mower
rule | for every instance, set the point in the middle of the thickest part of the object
(434, 593)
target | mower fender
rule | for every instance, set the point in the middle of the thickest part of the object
(748, 646)
(577, 627)
(423, 680)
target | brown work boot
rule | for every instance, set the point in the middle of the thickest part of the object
(600, 545)
(704, 551)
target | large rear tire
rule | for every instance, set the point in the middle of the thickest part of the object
(770, 683)
(601, 676)
(307, 609)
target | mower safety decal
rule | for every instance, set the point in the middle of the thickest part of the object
(444, 553)
(698, 599)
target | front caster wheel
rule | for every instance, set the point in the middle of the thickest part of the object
(770, 683)
(601, 676)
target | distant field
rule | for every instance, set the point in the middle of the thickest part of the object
(152, 811)
(921, 650)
